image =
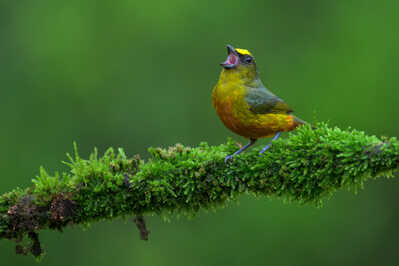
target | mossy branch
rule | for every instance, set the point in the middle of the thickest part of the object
(306, 167)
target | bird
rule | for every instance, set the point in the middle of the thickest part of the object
(246, 106)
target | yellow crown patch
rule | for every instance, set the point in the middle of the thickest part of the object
(243, 51)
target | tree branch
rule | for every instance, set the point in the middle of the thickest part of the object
(306, 167)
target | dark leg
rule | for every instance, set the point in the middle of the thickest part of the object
(270, 143)
(251, 142)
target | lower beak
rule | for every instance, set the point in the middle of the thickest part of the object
(232, 58)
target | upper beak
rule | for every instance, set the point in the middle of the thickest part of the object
(231, 50)
(232, 58)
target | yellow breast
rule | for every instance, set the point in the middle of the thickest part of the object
(228, 98)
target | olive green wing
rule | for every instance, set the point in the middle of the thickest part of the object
(261, 101)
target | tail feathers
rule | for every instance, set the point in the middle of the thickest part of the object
(298, 122)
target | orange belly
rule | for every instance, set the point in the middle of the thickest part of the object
(250, 125)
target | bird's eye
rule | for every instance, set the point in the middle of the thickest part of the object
(248, 59)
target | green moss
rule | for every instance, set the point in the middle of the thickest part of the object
(306, 167)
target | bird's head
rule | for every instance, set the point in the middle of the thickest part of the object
(239, 59)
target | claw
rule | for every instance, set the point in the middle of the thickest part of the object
(228, 157)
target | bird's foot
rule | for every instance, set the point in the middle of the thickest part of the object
(264, 149)
(228, 157)
(269, 144)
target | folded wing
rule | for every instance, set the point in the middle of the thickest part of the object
(261, 101)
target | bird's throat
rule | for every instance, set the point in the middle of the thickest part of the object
(241, 75)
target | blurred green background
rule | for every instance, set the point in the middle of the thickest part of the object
(135, 74)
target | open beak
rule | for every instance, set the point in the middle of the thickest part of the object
(232, 58)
